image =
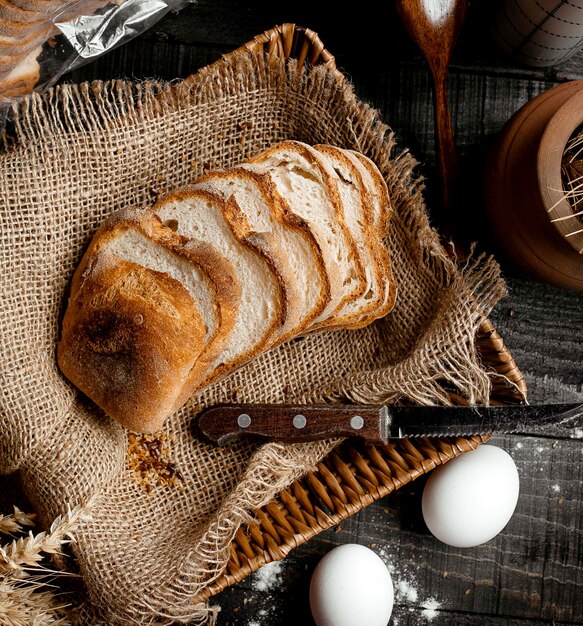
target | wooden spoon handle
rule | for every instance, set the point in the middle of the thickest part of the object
(445, 145)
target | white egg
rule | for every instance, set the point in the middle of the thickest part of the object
(351, 586)
(470, 499)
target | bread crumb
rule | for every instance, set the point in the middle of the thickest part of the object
(149, 462)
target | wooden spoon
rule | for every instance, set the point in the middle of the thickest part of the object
(434, 26)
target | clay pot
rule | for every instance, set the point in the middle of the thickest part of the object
(522, 184)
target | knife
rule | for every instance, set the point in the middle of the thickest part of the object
(223, 424)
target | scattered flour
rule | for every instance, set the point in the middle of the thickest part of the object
(264, 615)
(405, 591)
(556, 488)
(269, 577)
(577, 433)
(430, 608)
(387, 559)
(540, 449)
(518, 446)
(404, 577)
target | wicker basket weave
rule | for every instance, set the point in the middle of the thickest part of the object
(355, 474)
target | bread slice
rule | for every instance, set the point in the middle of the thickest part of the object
(17, 88)
(195, 214)
(13, 13)
(382, 208)
(111, 346)
(290, 244)
(356, 200)
(209, 278)
(14, 58)
(309, 188)
(382, 211)
(13, 28)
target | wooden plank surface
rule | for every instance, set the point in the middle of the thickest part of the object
(532, 573)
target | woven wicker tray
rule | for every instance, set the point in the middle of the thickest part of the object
(354, 474)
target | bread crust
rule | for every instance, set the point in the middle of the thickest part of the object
(111, 346)
(385, 213)
(384, 218)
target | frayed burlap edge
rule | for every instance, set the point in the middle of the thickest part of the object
(478, 285)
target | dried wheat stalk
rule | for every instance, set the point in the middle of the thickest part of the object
(15, 522)
(27, 595)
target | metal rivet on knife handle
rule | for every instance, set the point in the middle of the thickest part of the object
(244, 420)
(356, 422)
(299, 421)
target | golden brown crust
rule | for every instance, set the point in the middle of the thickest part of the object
(25, 16)
(111, 346)
(382, 192)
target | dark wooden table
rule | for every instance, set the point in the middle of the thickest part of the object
(532, 573)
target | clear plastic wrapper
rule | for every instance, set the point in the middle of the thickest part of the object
(40, 40)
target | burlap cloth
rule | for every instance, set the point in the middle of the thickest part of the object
(84, 151)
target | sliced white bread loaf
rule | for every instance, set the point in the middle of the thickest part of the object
(172, 298)
(291, 245)
(308, 185)
(199, 215)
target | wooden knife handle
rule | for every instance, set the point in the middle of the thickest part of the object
(225, 423)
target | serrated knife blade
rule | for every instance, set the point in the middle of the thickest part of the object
(225, 423)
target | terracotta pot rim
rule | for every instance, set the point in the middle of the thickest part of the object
(549, 157)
